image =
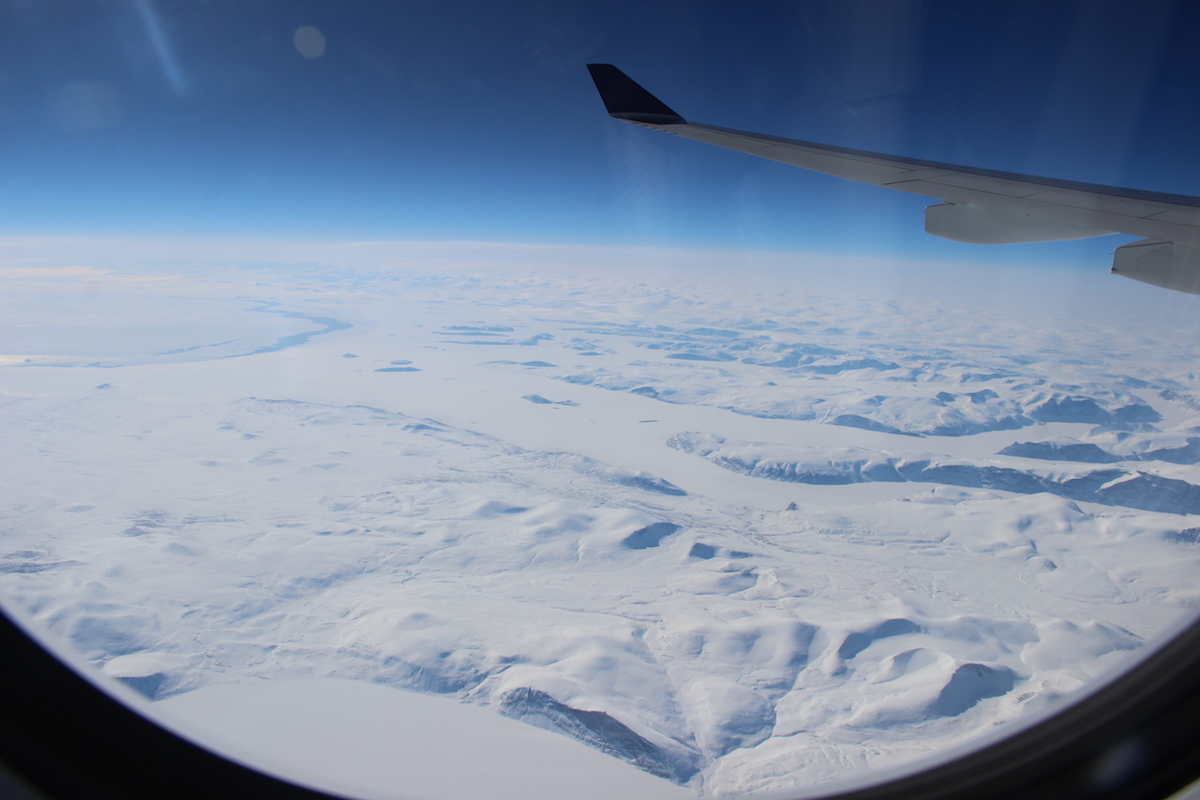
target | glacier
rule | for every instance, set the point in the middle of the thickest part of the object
(744, 538)
(1120, 487)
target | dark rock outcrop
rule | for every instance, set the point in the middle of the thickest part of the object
(601, 731)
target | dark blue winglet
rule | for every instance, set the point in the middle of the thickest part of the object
(624, 99)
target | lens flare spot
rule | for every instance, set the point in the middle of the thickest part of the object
(309, 41)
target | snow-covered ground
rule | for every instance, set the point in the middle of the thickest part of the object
(749, 530)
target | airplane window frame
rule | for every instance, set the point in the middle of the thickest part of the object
(1136, 736)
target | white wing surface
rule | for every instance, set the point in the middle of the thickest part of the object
(978, 206)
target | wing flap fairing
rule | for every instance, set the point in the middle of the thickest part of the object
(989, 225)
(1167, 264)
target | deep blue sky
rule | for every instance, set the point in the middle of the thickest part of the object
(477, 120)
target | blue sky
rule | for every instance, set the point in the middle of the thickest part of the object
(473, 120)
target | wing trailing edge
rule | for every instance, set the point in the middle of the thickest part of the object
(977, 206)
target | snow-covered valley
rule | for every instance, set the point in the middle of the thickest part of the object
(746, 538)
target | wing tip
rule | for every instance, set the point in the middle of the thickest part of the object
(627, 100)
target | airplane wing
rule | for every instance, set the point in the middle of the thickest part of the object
(979, 206)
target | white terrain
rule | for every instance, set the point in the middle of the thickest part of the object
(636, 523)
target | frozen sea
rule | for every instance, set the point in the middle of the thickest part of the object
(411, 519)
